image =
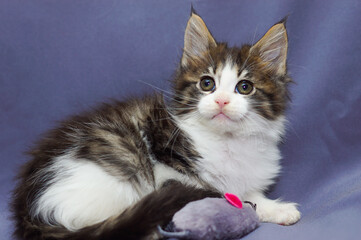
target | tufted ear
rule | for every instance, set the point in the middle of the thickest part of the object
(272, 48)
(197, 38)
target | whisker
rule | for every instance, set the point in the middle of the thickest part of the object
(170, 94)
(175, 138)
(249, 53)
(171, 136)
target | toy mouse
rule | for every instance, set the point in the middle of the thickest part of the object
(212, 218)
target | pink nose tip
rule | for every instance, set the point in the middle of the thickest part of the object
(222, 102)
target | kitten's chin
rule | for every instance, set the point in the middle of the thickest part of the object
(226, 117)
(219, 123)
(222, 123)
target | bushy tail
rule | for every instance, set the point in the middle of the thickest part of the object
(140, 221)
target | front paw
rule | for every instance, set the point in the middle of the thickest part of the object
(280, 213)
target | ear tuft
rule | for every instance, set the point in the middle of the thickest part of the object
(197, 38)
(284, 20)
(272, 48)
(193, 11)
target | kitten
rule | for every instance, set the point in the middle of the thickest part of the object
(118, 172)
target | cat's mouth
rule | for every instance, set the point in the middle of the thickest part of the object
(221, 116)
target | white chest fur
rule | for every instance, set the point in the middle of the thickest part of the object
(237, 163)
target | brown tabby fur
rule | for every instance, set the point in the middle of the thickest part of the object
(113, 137)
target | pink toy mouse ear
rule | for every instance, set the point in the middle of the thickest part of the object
(234, 200)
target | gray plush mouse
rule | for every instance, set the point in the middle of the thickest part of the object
(212, 218)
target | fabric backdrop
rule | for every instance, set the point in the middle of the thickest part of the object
(61, 57)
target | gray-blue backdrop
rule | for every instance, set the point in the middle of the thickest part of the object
(61, 57)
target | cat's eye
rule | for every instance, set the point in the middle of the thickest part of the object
(244, 87)
(207, 84)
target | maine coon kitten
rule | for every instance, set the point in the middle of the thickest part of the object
(118, 172)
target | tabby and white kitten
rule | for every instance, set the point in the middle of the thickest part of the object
(118, 172)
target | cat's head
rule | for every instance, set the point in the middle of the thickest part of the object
(225, 87)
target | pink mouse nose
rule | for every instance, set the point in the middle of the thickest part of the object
(222, 102)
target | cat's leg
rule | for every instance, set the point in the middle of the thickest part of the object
(274, 211)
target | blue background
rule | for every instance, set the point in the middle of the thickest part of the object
(61, 57)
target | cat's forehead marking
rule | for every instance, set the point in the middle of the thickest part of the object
(227, 77)
(230, 74)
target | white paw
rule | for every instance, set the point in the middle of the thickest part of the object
(280, 213)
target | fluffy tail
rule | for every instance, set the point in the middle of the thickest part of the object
(140, 221)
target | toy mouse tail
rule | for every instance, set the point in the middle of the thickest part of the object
(139, 221)
(183, 234)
